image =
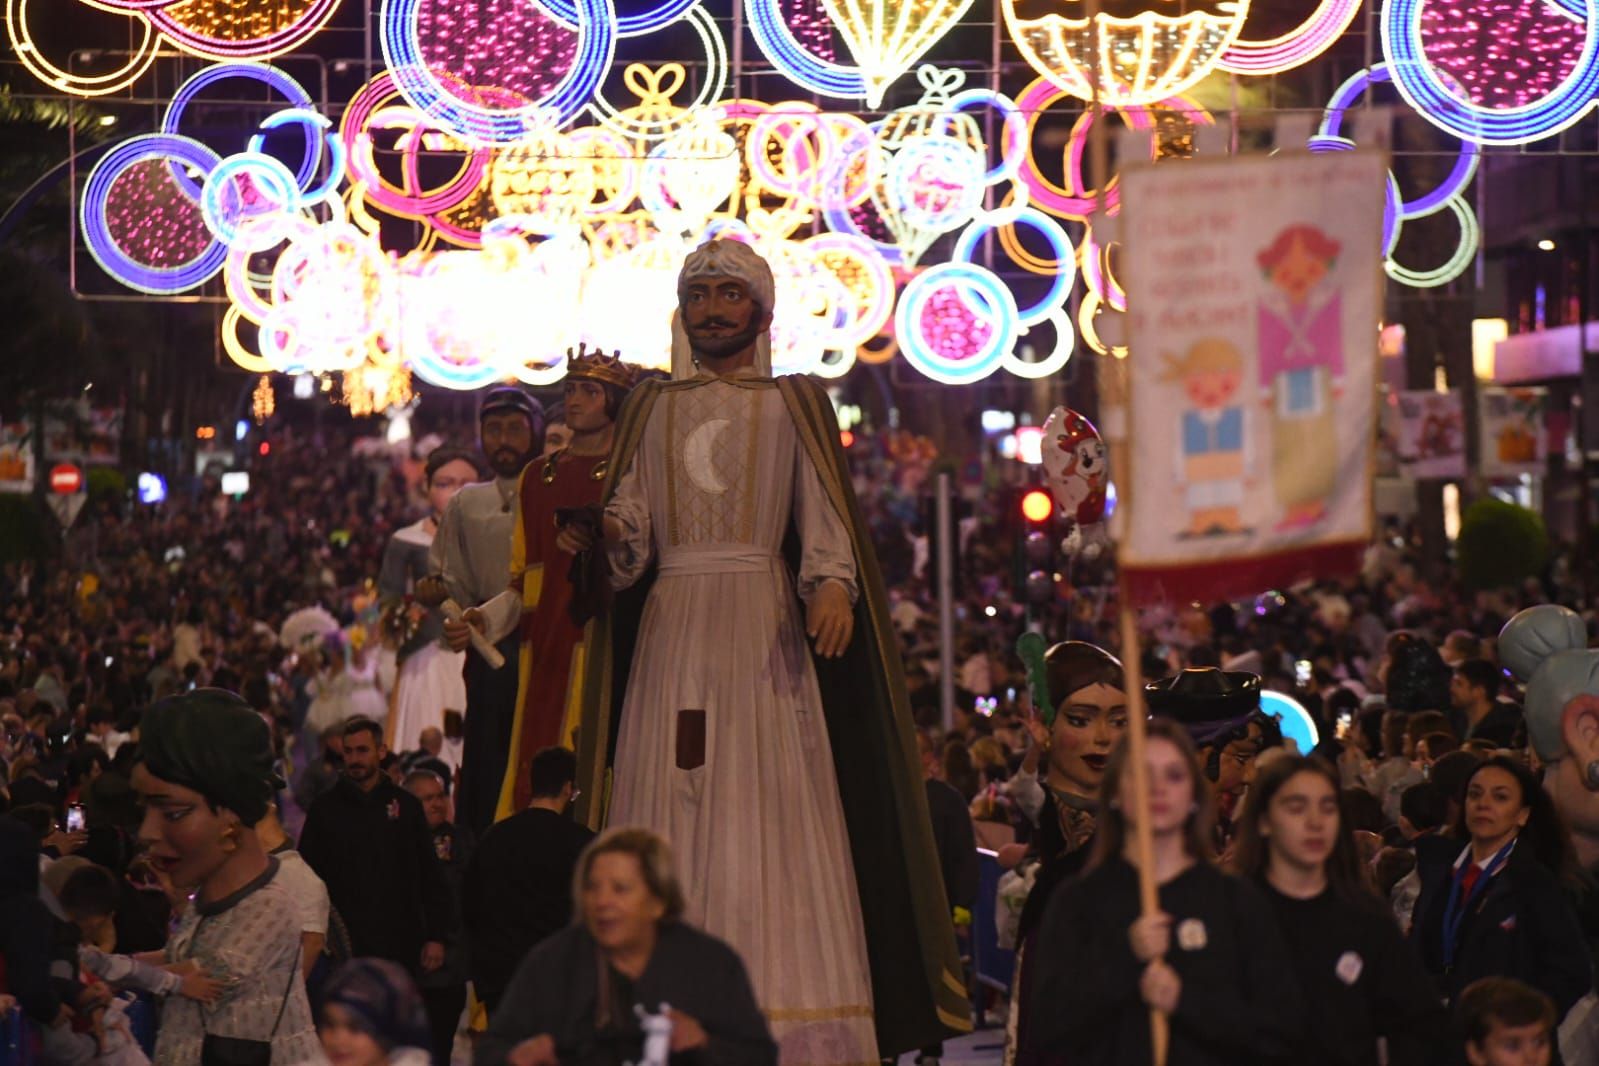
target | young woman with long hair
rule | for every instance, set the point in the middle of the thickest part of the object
(1498, 910)
(1296, 843)
(1211, 958)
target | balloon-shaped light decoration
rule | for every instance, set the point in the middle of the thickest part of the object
(928, 166)
(1078, 471)
(887, 36)
(1138, 59)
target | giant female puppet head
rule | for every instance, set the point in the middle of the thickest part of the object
(1546, 647)
(725, 297)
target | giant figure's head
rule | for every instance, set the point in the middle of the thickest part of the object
(511, 429)
(725, 297)
(1546, 647)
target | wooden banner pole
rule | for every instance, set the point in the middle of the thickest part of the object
(1143, 832)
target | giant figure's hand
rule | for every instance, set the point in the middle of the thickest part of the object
(573, 539)
(830, 621)
(430, 591)
(458, 632)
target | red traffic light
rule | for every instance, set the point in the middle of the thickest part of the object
(1037, 506)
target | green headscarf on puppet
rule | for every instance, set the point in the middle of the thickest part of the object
(211, 741)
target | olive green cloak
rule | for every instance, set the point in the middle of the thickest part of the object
(918, 994)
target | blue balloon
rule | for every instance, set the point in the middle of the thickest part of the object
(1293, 719)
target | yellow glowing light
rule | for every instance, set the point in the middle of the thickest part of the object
(27, 52)
(234, 345)
(887, 36)
(1485, 334)
(375, 388)
(1087, 311)
(262, 401)
(1137, 61)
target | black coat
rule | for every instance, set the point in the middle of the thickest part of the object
(1364, 981)
(1239, 1004)
(26, 926)
(375, 853)
(956, 841)
(556, 990)
(1521, 926)
(517, 891)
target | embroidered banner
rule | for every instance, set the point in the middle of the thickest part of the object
(1254, 295)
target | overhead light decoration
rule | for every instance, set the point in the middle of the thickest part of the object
(499, 132)
(887, 37)
(1448, 196)
(219, 30)
(1493, 71)
(1135, 60)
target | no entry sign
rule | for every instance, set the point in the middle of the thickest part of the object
(65, 479)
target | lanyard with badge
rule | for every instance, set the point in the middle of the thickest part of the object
(1456, 909)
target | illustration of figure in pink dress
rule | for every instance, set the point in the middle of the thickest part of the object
(1301, 370)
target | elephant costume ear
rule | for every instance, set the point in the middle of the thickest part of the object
(1537, 633)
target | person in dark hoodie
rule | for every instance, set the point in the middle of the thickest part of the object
(29, 946)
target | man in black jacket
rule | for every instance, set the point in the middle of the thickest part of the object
(518, 887)
(369, 841)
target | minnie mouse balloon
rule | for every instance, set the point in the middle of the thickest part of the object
(1075, 464)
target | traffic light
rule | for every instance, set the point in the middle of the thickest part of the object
(1035, 547)
(1037, 506)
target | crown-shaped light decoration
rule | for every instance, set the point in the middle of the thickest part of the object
(584, 365)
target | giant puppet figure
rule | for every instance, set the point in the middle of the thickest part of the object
(783, 769)
(538, 602)
(469, 558)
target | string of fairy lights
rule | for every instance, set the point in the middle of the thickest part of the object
(563, 196)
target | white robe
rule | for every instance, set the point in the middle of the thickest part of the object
(758, 829)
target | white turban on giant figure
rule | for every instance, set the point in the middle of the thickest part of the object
(715, 258)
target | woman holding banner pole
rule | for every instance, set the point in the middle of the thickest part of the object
(1210, 958)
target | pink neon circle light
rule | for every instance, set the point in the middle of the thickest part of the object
(410, 202)
(951, 328)
(151, 220)
(1296, 47)
(130, 5)
(1075, 200)
(503, 47)
(1501, 54)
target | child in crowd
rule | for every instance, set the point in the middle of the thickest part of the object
(1506, 1023)
(90, 900)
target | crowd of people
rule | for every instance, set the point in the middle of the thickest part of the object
(223, 834)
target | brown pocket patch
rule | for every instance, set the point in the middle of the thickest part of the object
(690, 740)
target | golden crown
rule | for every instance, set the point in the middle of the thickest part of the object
(597, 366)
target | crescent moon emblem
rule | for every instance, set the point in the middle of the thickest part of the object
(697, 458)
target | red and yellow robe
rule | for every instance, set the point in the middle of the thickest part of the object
(553, 647)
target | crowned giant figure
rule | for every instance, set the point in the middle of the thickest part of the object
(761, 721)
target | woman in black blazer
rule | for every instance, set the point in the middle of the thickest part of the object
(1499, 910)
